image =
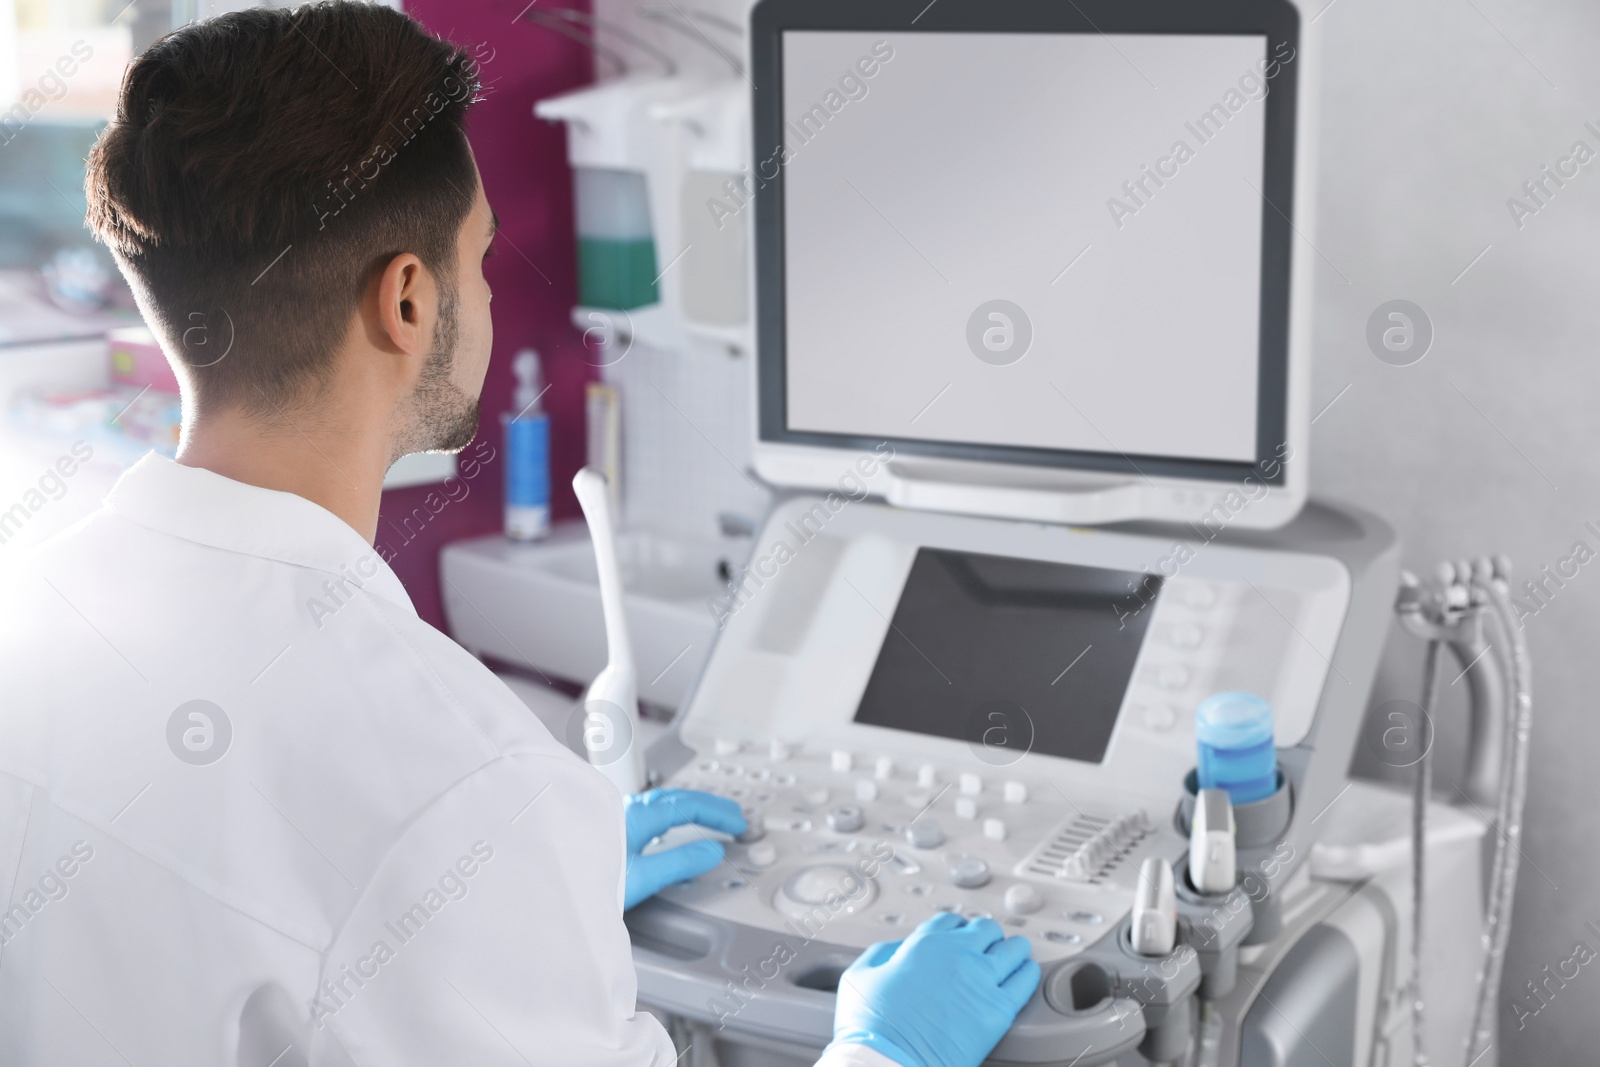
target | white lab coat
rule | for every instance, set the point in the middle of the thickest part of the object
(391, 862)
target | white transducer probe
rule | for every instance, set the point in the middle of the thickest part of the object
(611, 705)
(1155, 910)
(1212, 854)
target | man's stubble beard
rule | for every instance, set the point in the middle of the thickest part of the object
(444, 419)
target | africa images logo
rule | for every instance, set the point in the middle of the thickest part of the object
(999, 332)
(199, 732)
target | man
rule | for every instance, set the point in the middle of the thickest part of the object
(237, 827)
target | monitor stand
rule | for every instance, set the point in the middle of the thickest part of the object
(1042, 494)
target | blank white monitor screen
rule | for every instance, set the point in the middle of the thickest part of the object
(1039, 240)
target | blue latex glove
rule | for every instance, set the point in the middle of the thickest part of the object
(943, 997)
(649, 815)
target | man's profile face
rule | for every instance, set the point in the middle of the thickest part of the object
(449, 391)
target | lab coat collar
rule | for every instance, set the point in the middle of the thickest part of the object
(205, 507)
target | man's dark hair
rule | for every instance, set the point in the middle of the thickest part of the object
(262, 167)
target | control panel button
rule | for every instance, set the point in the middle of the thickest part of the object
(1016, 793)
(966, 808)
(971, 784)
(905, 866)
(1089, 857)
(779, 751)
(1160, 718)
(816, 795)
(866, 790)
(1199, 596)
(927, 776)
(846, 819)
(841, 761)
(1062, 937)
(1126, 830)
(755, 827)
(825, 885)
(1023, 899)
(925, 833)
(762, 854)
(1186, 635)
(970, 872)
(728, 746)
(883, 768)
(1172, 676)
(994, 829)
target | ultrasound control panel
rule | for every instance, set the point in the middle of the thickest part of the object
(861, 845)
(924, 713)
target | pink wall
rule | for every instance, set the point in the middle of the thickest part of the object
(523, 163)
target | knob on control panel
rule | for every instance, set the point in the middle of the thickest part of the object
(755, 827)
(1022, 899)
(846, 819)
(970, 872)
(823, 886)
(925, 833)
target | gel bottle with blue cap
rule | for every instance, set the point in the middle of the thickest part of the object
(1234, 732)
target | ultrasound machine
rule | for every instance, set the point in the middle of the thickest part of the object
(1033, 388)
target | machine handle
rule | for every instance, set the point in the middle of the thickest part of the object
(776, 986)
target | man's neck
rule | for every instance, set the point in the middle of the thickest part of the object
(329, 466)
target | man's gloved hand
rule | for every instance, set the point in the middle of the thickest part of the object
(943, 997)
(649, 815)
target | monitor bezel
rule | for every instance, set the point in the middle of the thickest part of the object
(1276, 20)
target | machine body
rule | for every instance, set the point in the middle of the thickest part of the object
(861, 830)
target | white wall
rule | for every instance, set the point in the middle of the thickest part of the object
(1434, 112)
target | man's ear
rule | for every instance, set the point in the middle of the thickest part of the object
(407, 297)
